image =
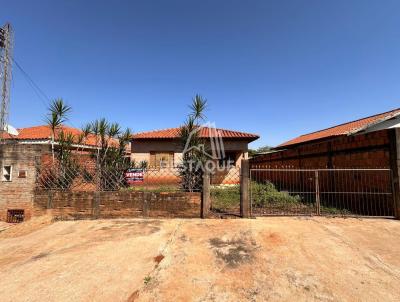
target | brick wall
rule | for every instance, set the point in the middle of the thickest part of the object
(370, 150)
(18, 193)
(122, 204)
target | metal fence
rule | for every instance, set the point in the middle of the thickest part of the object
(88, 177)
(346, 192)
(225, 192)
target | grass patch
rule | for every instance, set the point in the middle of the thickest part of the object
(334, 211)
(225, 197)
(155, 189)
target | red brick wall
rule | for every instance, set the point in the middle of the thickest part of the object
(361, 151)
(77, 205)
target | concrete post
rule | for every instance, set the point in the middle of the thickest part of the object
(205, 196)
(395, 167)
(245, 207)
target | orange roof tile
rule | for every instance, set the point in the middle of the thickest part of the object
(343, 129)
(43, 132)
(172, 133)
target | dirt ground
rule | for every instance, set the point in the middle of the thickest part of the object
(264, 259)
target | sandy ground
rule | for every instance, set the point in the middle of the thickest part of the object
(264, 259)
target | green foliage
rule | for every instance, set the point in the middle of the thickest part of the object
(253, 152)
(228, 196)
(57, 115)
(198, 106)
(334, 211)
(110, 157)
(147, 280)
(193, 157)
(156, 189)
(266, 193)
(225, 197)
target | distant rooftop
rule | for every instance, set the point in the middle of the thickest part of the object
(43, 133)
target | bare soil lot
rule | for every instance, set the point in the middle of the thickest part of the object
(264, 259)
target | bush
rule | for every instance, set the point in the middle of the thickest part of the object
(263, 194)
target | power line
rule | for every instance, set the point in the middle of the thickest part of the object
(39, 92)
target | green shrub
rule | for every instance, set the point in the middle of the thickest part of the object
(266, 193)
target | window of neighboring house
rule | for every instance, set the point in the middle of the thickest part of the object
(7, 173)
(161, 159)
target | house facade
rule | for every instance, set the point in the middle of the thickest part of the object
(163, 148)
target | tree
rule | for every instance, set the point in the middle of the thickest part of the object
(111, 144)
(254, 152)
(192, 158)
(57, 115)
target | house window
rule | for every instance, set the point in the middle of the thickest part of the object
(7, 173)
(161, 159)
(229, 160)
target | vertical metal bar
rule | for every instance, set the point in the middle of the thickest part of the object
(317, 197)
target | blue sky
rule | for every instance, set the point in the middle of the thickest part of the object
(276, 68)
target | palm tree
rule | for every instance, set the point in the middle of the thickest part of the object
(57, 115)
(188, 168)
(198, 107)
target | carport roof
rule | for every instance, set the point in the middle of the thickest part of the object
(343, 129)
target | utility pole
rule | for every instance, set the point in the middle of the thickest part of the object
(6, 46)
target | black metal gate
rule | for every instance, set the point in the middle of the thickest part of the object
(337, 192)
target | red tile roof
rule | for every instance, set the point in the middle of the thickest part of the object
(343, 129)
(172, 133)
(43, 132)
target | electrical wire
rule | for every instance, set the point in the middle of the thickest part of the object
(38, 91)
(35, 87)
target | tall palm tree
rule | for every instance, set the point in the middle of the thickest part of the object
(190, 176)
(57, 115)
(198, 106)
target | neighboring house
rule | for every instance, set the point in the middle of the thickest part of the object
(368, 142)
(19, 152)
(163, 148)
(42, 135)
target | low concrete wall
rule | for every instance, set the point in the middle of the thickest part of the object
(123, 204)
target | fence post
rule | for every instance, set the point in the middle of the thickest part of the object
(245, 208)
(50, 199)
(395, 167)
(205, 195)
(317, 195)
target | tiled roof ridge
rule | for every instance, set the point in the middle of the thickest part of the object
(204, 127)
